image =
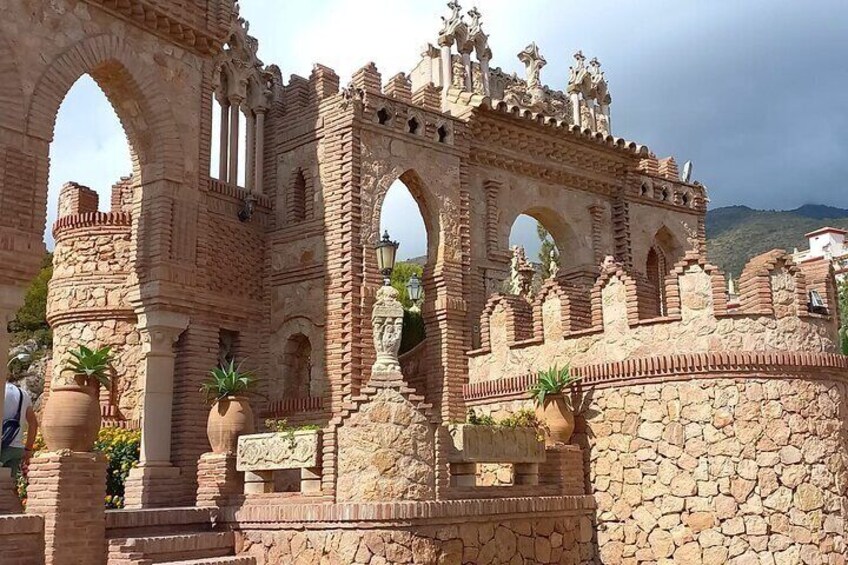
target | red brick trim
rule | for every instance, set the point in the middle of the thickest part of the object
(92, 220)
(686, 366)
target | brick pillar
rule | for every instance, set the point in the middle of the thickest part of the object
(217, 479)
(67, 489)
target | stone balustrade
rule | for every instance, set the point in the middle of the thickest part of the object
(259, 455)
(472, 444)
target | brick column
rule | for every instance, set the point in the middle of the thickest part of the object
(151, 484)
(67, 489)
(11, 298)
(217, 479)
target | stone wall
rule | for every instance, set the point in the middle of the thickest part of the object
(707, 471)
(698, 323)
(386, 451)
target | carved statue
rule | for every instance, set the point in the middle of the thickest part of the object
(521, 272)
(387, 322)
(553, 266)
(533, 63)
(578, 76)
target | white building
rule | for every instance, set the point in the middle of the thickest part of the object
(829, 243)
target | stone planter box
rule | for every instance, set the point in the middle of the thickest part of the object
(259, 455)
(277, 451)
(493, 444)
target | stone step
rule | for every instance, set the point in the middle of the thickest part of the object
(163, 549)
(231, 560)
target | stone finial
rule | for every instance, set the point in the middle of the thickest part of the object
(387, 322)
(521, 272)
(452, 26)
(533, 63)
(553, 266)
(578, 76)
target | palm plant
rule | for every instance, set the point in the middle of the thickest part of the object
(552, 381)
(91, 364)
(227, 380)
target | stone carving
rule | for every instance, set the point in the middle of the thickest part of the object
(387, 320)
(531, 93)
(494, 444)
(553, 265)
(589, 94)
(239, 76)
(453, 26)
(533, 63)
(521, 272)
(276, 451)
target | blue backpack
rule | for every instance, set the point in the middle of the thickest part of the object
(11, 426)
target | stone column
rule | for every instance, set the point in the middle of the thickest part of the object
(250, 140)
(258, 166)
(224, 140)
(484, 76)
(466, 64)
(575, 108)
(447, 67)
(232, 175)
(149, 484)
(67, 490)
(11, 298)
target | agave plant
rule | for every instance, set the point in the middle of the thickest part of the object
(227, 380)
(91, 364)
(552, 381)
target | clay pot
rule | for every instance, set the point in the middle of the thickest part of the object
(71, 418)
(229, 418)
(559, 418)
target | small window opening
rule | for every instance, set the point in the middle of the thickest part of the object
(383, 116)
(413, 125)
(644, 190)
(684, 198)
(443, 134)
(664, 194)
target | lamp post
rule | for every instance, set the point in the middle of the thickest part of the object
(414, 290)
(386, 254)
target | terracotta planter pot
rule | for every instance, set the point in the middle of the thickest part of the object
(559, 419)
(71, 418)
(229, 418)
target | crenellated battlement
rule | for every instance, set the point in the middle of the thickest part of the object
(620, 318)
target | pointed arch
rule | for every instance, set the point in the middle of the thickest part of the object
(130, 86)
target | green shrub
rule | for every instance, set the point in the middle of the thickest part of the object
(122, 449)
(552, 381)
(227, 380)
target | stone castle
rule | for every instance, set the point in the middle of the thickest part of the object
(707, 432)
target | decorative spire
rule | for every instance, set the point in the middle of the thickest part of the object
(533, 63)
(452, 26)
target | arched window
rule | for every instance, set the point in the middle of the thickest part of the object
(299, 198)
(297, 370)
(656, 270)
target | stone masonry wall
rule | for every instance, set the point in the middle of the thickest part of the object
(563, 539)
(717, 471)
(386, 451)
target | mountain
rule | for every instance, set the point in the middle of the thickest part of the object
(737, 233)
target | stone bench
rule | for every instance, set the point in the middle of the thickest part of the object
(259, 455)
(470, 444)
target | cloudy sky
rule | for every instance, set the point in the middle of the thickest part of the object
(752, 92)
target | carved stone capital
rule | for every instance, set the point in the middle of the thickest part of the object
(160, 330)
(387, 321)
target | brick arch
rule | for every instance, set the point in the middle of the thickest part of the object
(11, 92)
(418, 189)
(135, 92)
(571, 252)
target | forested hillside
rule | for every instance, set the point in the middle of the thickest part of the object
(737, 233)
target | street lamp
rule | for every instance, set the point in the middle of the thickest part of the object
(414, 290)
(386, 254)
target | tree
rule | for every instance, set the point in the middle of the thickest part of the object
(547, 251)
(31, 320)
(400, 276)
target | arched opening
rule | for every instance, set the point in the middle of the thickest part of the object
(661, 256)
(91, 169)
(299, 198)
(297, 368)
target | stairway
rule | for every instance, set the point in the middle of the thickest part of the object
(170, 536)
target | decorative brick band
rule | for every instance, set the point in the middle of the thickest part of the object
(92, 219)
(645, 370)
(295, 406)
(355, 514)
(233, 191)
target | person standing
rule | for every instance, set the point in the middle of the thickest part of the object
(18, 406)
